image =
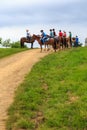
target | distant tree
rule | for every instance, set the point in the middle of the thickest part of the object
(15, 44)
(7, 43)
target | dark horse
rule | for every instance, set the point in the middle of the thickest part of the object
(24, 39)
(52, 41)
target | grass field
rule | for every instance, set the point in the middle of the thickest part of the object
(9, 51)
(53, 95)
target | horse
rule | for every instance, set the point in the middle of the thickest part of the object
(24, 39)
(67, 42)
(51, 41)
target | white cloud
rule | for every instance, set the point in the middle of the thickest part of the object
(18, 15)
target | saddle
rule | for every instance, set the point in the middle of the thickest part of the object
(47, 39)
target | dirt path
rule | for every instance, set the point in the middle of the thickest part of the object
(12, 72)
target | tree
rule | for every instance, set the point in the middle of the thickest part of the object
(7, 43)
(15, 44)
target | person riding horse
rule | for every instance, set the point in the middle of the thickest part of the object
(43, 36)
(28, 35)
(27, 39)
(70, 37)
(64, 39)
(54, 33)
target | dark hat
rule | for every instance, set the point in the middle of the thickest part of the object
(27, 30)
(41, 30)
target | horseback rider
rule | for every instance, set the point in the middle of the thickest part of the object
(64, 39)
(51, 34)
(60, 33)
(43, 36)
(76, 41)
(70, 36)
(54, 33)
(60, 37)
(28, 35)
(64, 34)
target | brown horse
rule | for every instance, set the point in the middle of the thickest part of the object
(67, 42)
(51, 41)
(24, 39)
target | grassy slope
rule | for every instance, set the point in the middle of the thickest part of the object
(54, 95)
(9, 51)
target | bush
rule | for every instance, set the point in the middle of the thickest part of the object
(16, 45)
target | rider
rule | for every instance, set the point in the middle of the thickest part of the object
(60, 33)
(64, 34)
(54, 33)
(77, 41)
(28, 35)
(43, 36)
(70, 36)
(51, 33)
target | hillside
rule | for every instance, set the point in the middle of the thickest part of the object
(53, 95)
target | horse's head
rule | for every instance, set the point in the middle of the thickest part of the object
(36, 37)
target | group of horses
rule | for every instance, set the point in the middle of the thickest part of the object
(56, 42)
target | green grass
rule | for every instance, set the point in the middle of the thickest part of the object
(54, 94)
(9, 51)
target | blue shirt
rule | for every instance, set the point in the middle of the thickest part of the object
(77, 39)
(43, 34)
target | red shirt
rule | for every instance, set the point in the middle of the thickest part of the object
(60, 34)
(64, 34)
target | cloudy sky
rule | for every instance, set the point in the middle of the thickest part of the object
(18, 15)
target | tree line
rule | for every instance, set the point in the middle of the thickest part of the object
(8, 43)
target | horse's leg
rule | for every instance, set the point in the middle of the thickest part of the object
(41, 47)
(44, 46)
(32, 45)
(55, 44)
(21, 43)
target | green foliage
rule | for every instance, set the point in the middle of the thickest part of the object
(15, 44)
(56, 88)
(6, 43)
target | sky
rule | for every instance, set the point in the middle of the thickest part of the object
(18, 15)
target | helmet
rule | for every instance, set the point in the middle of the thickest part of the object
(27, 30)
(41, 30)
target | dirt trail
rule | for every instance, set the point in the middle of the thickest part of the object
(12, 72)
